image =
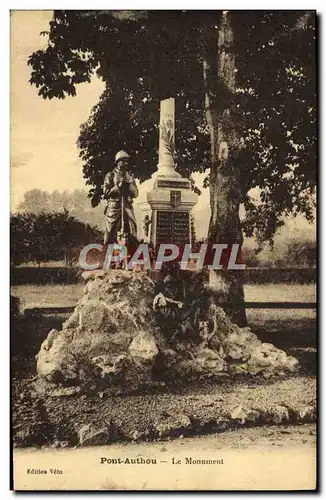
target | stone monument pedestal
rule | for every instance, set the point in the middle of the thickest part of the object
(171, 201)
(127, 333)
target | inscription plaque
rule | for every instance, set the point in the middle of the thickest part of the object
(172, 227)
(173, 184)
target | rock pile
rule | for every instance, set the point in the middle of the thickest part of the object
(116, 341)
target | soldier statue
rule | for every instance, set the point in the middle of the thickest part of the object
(120, 189)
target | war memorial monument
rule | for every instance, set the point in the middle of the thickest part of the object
(129, 330)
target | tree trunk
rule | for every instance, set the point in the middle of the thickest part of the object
(225, 190)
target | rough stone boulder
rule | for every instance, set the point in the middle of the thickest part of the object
(119, 338)
(108, 341)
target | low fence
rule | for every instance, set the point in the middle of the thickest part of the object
(248, 305)
(69, 275)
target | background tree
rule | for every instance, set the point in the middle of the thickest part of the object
(301, 253)
(49, 236)
(75, 202)
(21, 229)
(244, 84)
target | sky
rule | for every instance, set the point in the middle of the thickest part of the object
(44, 153)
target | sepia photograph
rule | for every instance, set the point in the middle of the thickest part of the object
(163, 206)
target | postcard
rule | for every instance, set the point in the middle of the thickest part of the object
(163, 250)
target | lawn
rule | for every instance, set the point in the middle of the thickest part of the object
(47, 295)
(68, 295)
(285, 319)
(281, 292)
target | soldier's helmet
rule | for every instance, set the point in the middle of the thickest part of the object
(120, 155)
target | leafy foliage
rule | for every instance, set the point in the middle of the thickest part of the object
(21, 242)
(286, 254)
(75, 202)
(144, 56)
(48, 236)
(249, 257)
(277, 77)
(301, 253)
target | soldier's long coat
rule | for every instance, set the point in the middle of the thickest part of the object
(113, 210)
